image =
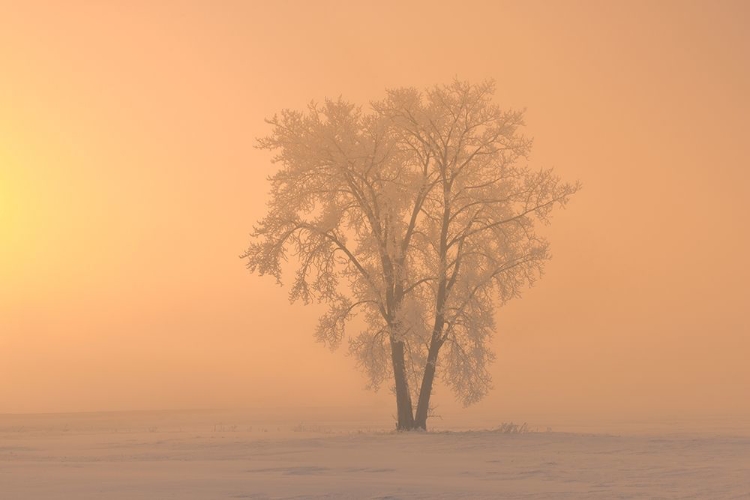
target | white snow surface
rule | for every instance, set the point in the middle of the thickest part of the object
(211, 455)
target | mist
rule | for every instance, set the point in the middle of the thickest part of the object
(130, 181)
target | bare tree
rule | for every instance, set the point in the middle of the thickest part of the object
(345, 203)
(479, 221)
(417, 213)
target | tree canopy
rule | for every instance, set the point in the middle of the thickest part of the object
(419, 213)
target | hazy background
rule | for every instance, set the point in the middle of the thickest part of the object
(129, 184)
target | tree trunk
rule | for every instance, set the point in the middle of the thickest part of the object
(423, 405)
(403, 397)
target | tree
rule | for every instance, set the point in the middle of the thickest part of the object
(418, 214)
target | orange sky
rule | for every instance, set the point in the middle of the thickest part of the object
(129, 184)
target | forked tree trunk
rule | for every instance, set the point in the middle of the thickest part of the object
(425, 391)
(403, 397)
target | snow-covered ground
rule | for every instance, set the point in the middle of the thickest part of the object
(211, 455)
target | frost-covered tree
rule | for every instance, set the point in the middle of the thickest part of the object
(477, 229)
(345, 204)
(417, 213)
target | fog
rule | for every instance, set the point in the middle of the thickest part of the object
(129, 183)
